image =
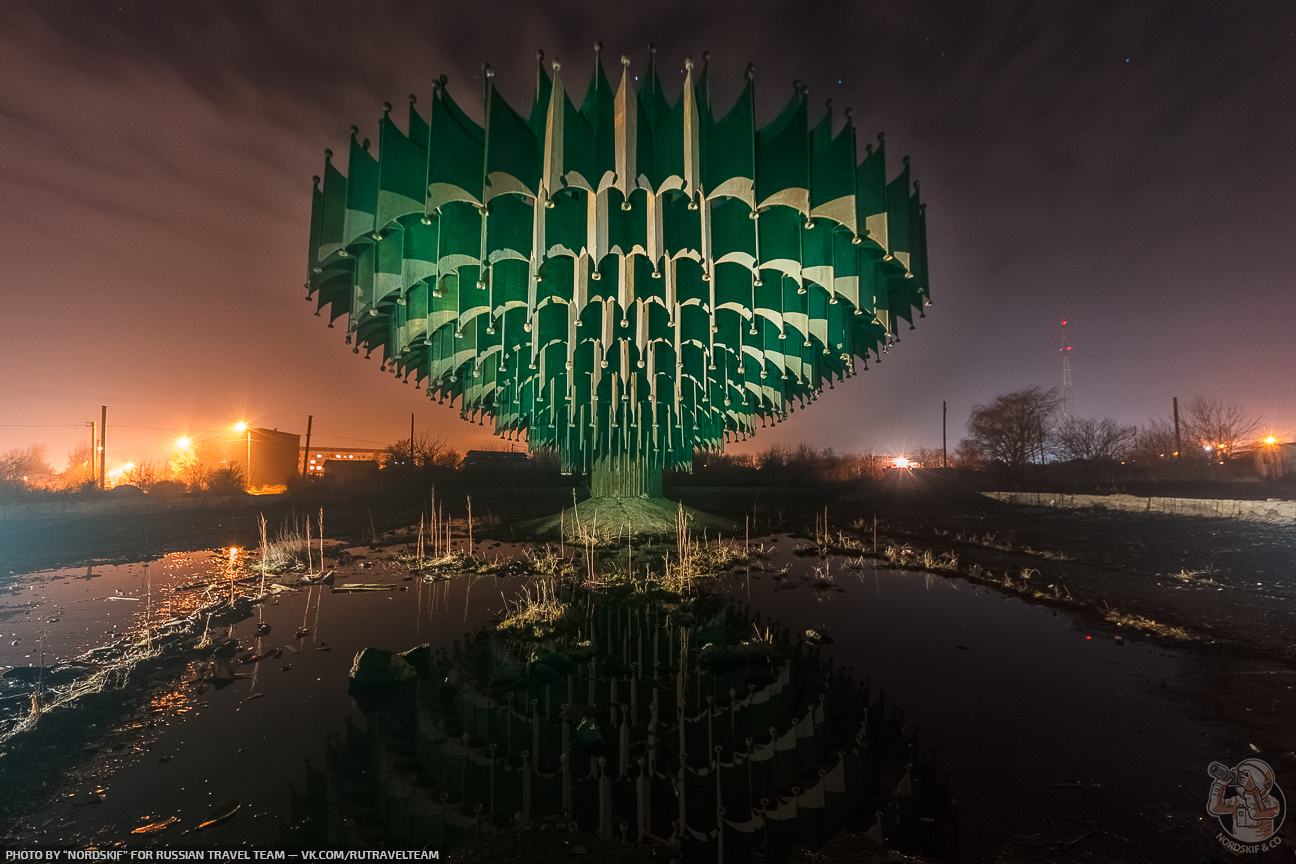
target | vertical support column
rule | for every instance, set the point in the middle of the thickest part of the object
(605, 798)
(682, 779)
(643, 798)
(535, 730)
(634, 693)
(526, 787)
(492, 783)
(566, 783)
(652, 735)
(623, 752)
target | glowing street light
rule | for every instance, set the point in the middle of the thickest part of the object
(242, 426)
(183, 443)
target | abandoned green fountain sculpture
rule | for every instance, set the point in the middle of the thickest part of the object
(624, 283)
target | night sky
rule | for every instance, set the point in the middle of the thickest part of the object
(1130, 167)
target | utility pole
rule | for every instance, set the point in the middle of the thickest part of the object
(944, 443)
(1068, 397)
(103, 443)
(1178, 446)
(411, 439)
(310, 418)
(93, 438)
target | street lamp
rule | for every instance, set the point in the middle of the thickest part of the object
(242, 426)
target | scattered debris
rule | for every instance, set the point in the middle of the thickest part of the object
(819, 636)
(155, 827)
(222, 812)
(377, 666)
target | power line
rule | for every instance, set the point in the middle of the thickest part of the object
(170, 430)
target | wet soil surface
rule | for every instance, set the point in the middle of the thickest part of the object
(1047, 727)
(1070, 733)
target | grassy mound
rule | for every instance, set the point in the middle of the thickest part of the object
(618, 519)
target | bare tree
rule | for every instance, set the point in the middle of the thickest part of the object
(773, 458)
(421, 452)
(1218, 428)
(1094, 440)
(80, 468)
(1014, 429)
(968, 454)
(18, 464)
(144, 475)
(226, 479)
(1156, 442)
(189, 470)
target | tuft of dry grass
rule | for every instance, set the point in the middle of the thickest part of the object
(906, 558)
(1198, 576)
(289, 551)
(1146, 625)
(547, 561)
(538, 614)
(839, 543)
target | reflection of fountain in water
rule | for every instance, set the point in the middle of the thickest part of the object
(643, 719)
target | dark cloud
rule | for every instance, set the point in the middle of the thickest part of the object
(1124, 165)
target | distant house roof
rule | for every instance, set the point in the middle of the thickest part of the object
(495, 457)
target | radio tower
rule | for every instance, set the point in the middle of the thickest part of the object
(1068, 396)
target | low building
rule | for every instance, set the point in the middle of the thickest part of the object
(319, 456)
(493, 460)
(267, 457)
(350, 471)
(1276, 461)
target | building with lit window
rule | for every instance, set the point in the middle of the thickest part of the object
(318, 457)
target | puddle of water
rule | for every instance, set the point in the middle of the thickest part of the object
(1021, 712)
(72, 610)
(1020, 703)
(250, 739)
